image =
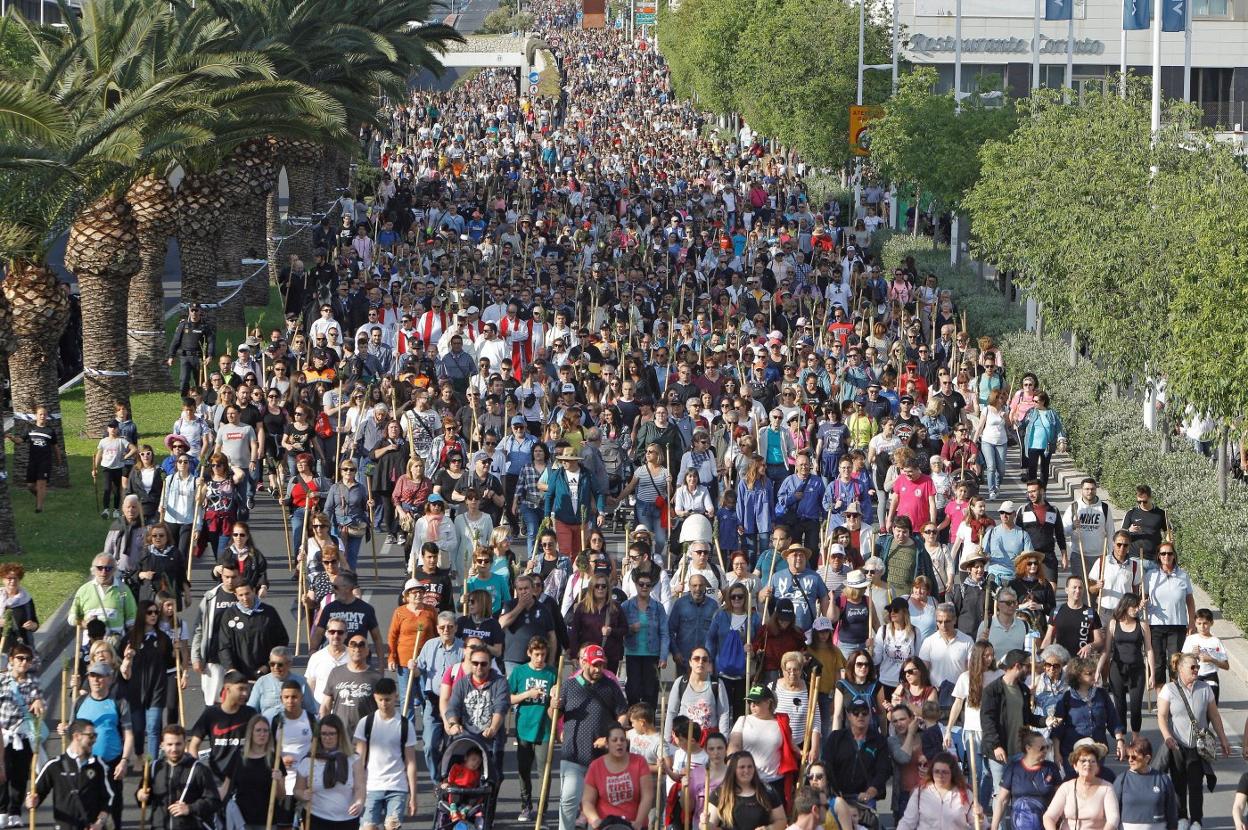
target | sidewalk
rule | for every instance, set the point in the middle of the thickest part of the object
(1063, 488)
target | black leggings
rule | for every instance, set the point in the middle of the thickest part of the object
(112, 487)
(1038, 465)
(1167, 639)
(642, 685)
(735, 686)
(17, 773)
(529, 754)
(1126, 684)
(1188, 774)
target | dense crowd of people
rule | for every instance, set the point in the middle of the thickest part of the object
(554, 321)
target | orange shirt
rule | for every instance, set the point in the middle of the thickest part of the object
(409, 631)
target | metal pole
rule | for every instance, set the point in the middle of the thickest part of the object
(1070, 52)
(1122, 61)
(896, 45)
(862, 42)
(1155, 115)
(1035, 48)
(1187, 52)
(957, 57)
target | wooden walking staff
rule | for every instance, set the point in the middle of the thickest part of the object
(1100, 586)
(550, 746)
(307, 818)
(34, 769)
(688, 799)
(147, 772)
(277, 759)
(77, 661)
(290, 559)
(372, 534)
(190, 553)
(658, 769)
(810, 725)
(411, 673)
(65, 693)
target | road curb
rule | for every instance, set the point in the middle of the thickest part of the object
(54, 635)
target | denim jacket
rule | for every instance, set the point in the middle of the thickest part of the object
(654, 632)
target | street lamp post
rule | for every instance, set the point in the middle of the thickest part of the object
(862, 68)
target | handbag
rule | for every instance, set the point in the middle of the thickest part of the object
(1203, 740)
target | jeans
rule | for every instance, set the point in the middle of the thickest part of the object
(434, 736)
(351, 548)
(147, 724)
(412, 695)
(571, 787)
(994, 460)
(381, 804)
(754, 544)
(531, 520)
(648, 515)
(296, 528)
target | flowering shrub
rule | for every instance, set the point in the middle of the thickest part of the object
(1108, 440)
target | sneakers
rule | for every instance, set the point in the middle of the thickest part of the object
(1195, 825)
(992, 495)
(526, 813)
(116, 513)
(1184, 824)
(390, 540)
(104, 513)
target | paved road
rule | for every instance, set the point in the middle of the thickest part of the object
(267, 526)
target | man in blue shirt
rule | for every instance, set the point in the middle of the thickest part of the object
(801, 585)
(799, 503)
(436, 656)
(690, 621)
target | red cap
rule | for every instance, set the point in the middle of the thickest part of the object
(595, 656)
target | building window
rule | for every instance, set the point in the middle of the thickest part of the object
(1211, 8)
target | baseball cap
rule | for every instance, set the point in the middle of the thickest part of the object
(567, 389)
(595, 656)
(1008, 507)
(435, 498)
(784, 609)
(822, 624)
(757, 693)
(857, 704)
(412, 584)
(101, 670)
(836, 550)
(518, 421)
(853, 509)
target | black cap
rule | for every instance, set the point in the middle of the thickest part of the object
(784, 609)
(898, 604)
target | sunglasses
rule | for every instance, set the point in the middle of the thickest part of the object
(356, 644)
(105, 568)
(479, 664)
(335, 632)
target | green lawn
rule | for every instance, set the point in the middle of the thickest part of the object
(59, 543)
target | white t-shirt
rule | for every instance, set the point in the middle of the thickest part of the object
(385, 759)
(647, 746)
(333, 803)
(320, 665)
(962, 688)
(762, 739)
(296, 735)
(1210, 646)
(113, 452)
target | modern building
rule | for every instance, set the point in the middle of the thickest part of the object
(42, 11)
(997, 49)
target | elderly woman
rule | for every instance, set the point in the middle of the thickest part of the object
(793, 700)
(17, 605)
(1086, 710)
(126, 538)
(1086, 801)
(349, 508)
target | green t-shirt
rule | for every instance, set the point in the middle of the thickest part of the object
(496, 585)
(532, 720)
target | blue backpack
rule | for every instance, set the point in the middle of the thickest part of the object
(730, 661)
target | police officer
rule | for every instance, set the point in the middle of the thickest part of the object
(193, 339)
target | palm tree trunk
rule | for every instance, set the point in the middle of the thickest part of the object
(250, 229)
(152, 201)
(200, 214)
(40, 312)
(145, 309)
(302, 177)
(102, 251)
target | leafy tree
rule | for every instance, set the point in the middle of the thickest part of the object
(1199, 195)
(1065, 201)
(796, 73)
(702, 42)
(923, 142)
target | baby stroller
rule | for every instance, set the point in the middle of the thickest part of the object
(466, 808)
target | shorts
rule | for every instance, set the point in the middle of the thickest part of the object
(381, 804)
(38, 469)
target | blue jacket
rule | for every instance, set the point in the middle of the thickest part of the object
(655, 631)
(755, 505)
(1043, 429)
(559, 498)
(720, 624)
(690, 623)
(810, 504)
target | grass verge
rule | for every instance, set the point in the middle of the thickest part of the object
(59, 543)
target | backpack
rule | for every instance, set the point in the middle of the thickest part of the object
(715, 687)
(368, 734)
(730, 659)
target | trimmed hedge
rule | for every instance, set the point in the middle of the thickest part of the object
(1108, 440)
(987, 311)
(1107, 435)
